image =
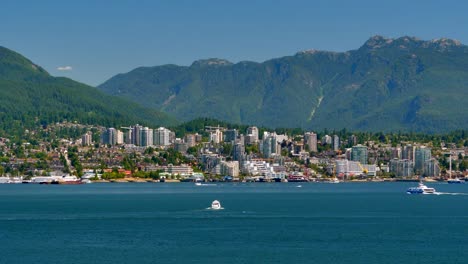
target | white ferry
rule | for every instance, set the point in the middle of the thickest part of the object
(421, 189)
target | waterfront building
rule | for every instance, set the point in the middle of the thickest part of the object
(180, 170)
(229, 168)
(431, 168)
(402, 167)
(210, 162)
(352, 168)
(422, 154)
(359, 153)
(257, 168)
(310, 139)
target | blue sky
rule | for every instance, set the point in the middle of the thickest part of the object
(98, 39)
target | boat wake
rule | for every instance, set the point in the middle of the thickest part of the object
(205, 184)
(209, 208)
(446, 193)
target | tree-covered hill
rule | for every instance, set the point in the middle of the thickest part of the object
(402, 84)
(29, 96)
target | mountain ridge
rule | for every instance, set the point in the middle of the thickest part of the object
(385, 85)
(30, 96)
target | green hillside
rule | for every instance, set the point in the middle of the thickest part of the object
(29, 96)
(386, 85)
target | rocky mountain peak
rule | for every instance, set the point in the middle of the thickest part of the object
(212, 62)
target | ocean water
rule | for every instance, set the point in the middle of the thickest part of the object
(261, 223)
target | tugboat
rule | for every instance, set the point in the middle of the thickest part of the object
(421, 189)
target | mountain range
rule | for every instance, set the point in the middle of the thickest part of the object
(402, 84)
(29, 96)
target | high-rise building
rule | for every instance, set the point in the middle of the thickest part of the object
(238, 152)
(401, 168)
(395, 153)
(431, 168)
(128, 136)
(136, 135)
(230, 135)
(336, 143)
(161, 137)
(422, 154)
(269, 145)
(86, 139)
(310, 139)
(326, 140)
(352, 140)
(109, 136)
(216, 136)
(408, 152)
(120, 137)
(198, 138)
(190, 139)
(172, 137)
(254, 132)
(359, 153)
(146, 137)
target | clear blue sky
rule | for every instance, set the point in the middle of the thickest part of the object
(99, 39)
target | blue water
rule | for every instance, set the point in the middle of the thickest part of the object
(261, 223)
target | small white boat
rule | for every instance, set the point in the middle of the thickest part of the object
(216, 205)
(335, 180)
(421, 189)
(455, 181)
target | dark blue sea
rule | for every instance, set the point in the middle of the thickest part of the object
(260, 223)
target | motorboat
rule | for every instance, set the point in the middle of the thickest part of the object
(421, 189)
(334, 180)
(455, 180)
(216, 205)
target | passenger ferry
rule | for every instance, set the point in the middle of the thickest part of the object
(421, 189)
